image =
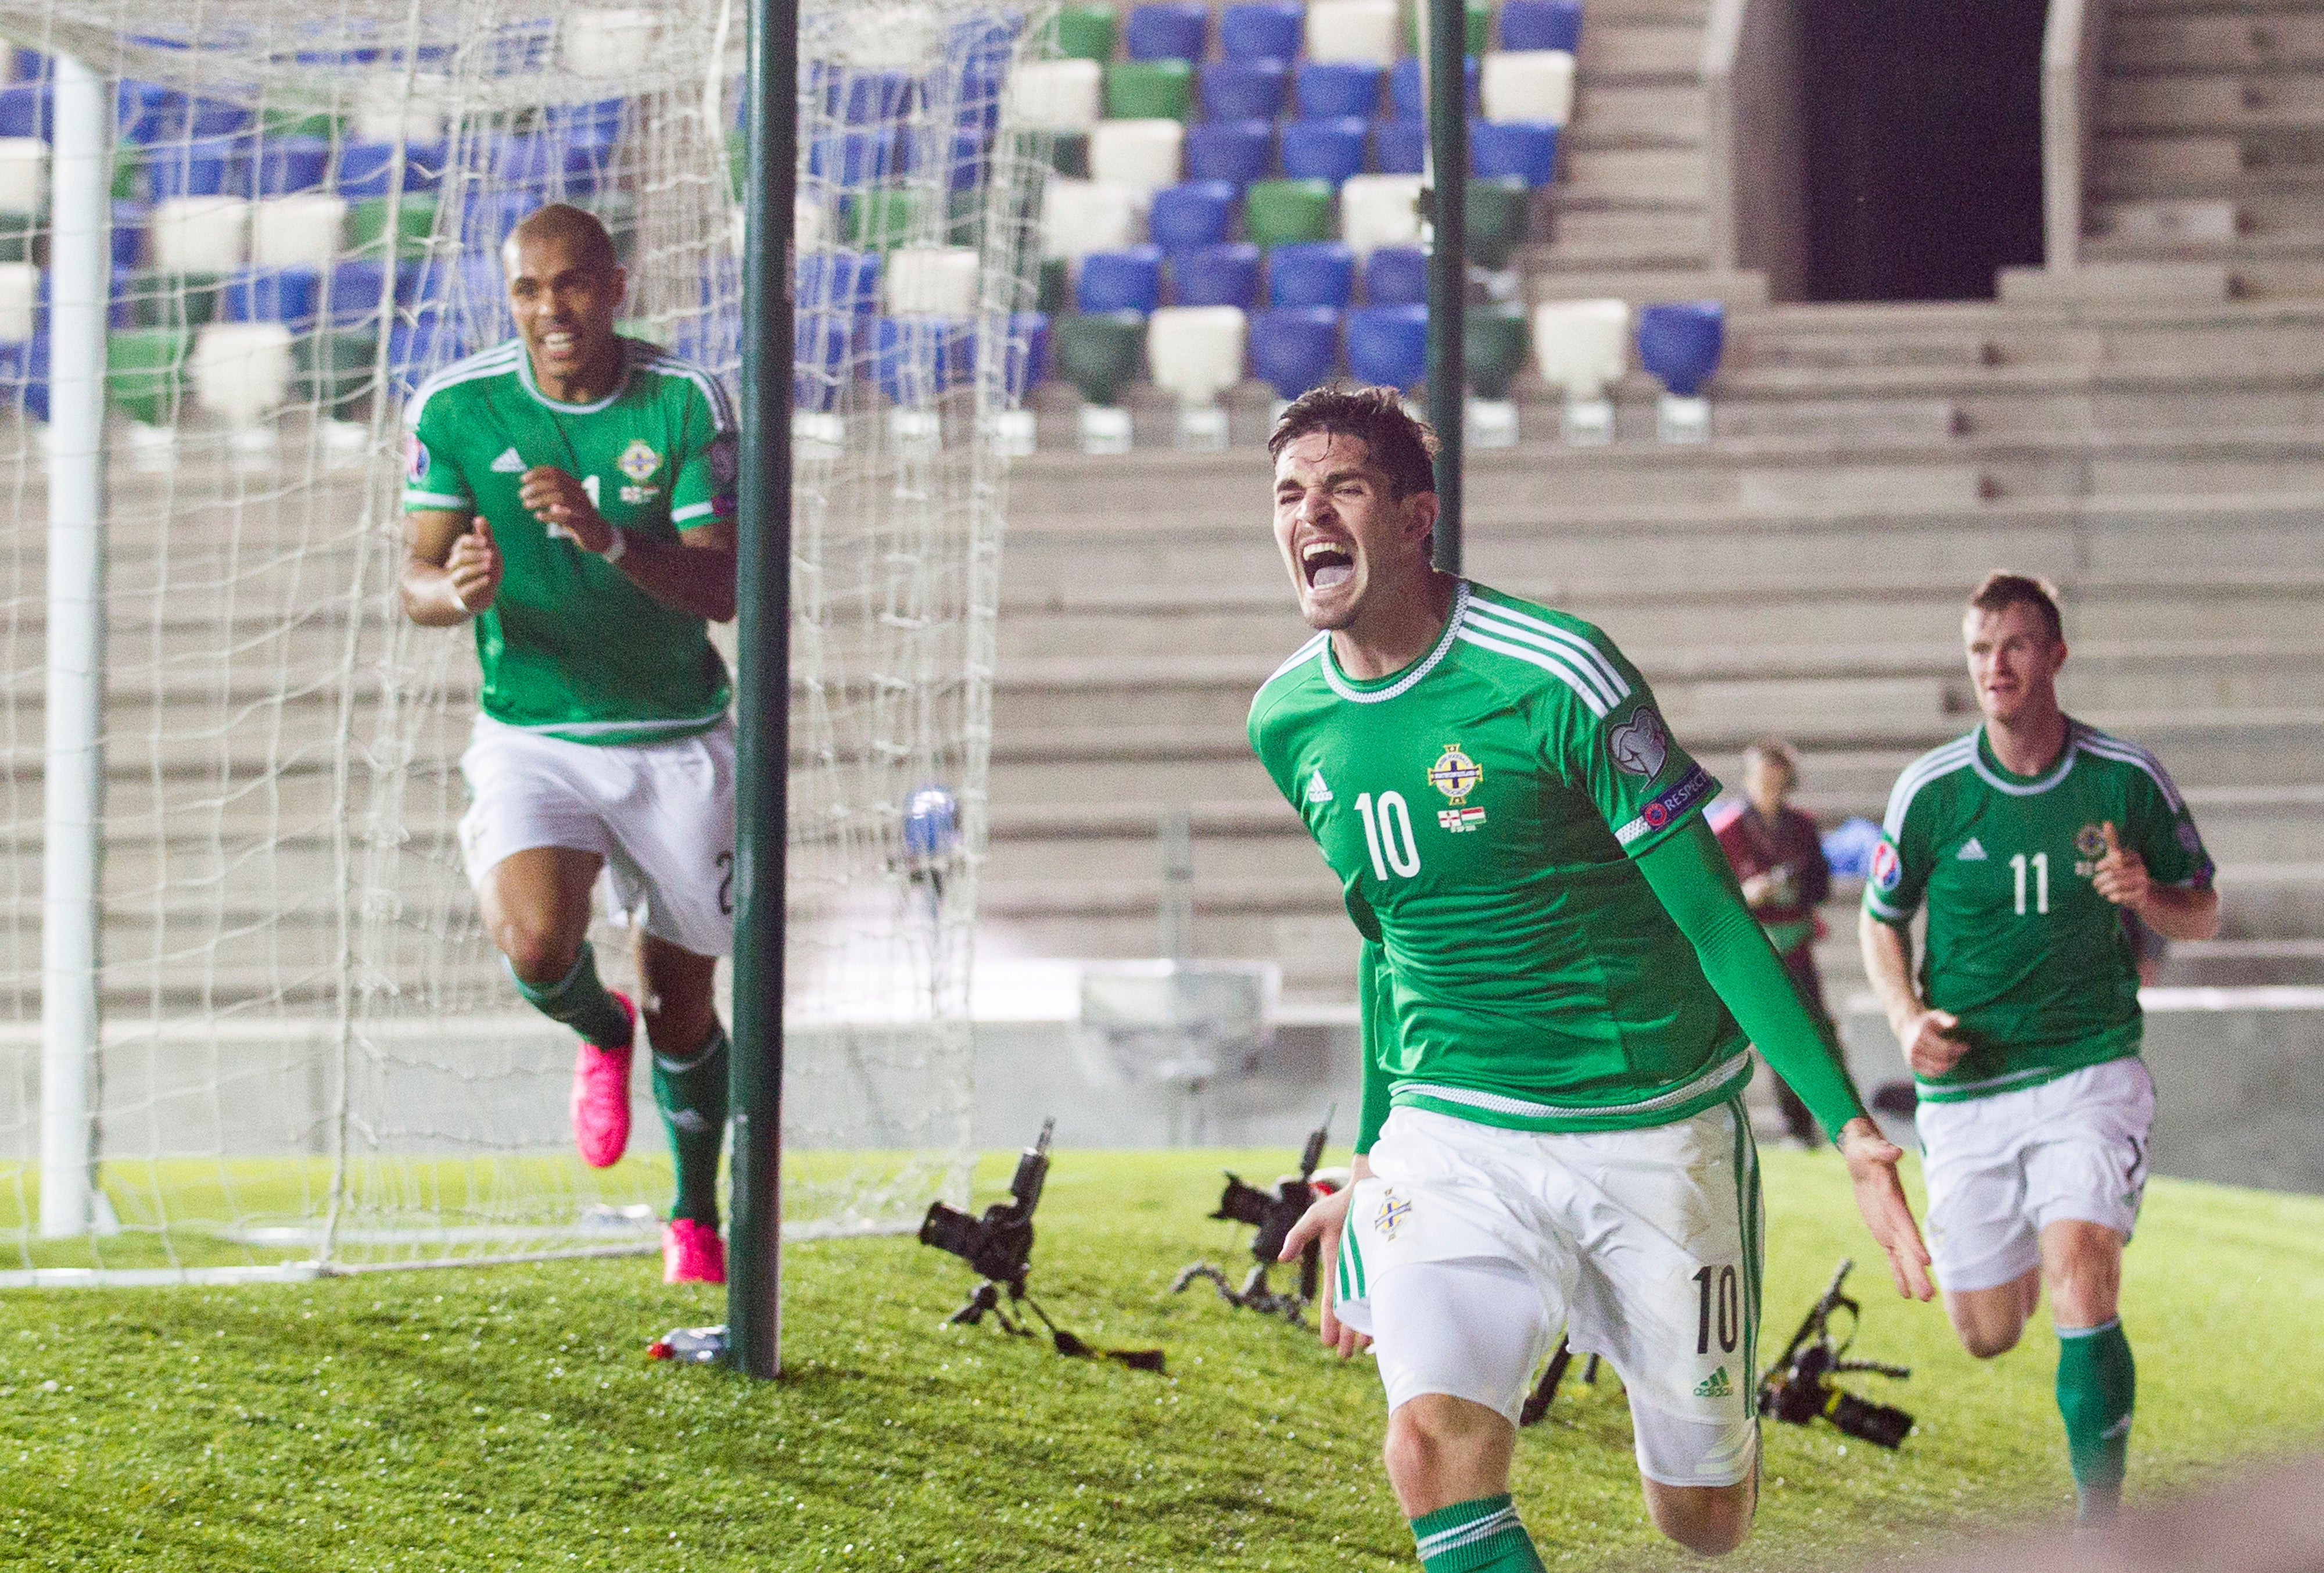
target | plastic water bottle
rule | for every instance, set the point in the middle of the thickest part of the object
(694, 1346)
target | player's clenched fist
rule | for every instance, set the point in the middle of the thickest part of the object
(473, 568)
(2121, 874)
(1323, 1221)
(562, 505)
(1929, 1047)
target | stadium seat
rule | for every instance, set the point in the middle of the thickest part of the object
(1400, 147)
(1243, 90)
(1237, 151)
(1499, 213)
(1216, 275)
(241, 371)
(367, 168)
(856, 156)
(1404, 86)
(24, 377)
(1377, 210)
(288, 295)
(884, 217)
(1493, 345)
(1352, 30)
(285, 164)
(1145, 155)
(27, 109)
(539, 160)
(1389, 345)
(351, 290)
(144, 372)
(1084, 32)
(20, 302)
(1330, 89)
(331, 371)
(1542, 24)
(1581, 349)
(24, 174)
(200, 235)
(1526, 149)
(1058, 95)
(304, 228)
(1099, 356)
(1323, 150)
(1679, 341)
(127, 233)
(1194, 353)
(1193, 214)
(1149, 90)
(857, 96)
(1130, 280)
(416, 346)
(1321, 272)
(1294, 348)
(1478, 15)
(216, 117)
(931, 281)
(147, 112)
(1178, 32)
(486, 215)
(168, 299)
(1080, 216)
(1069, 154)
(916, 359)
(1266, 32)
(1025, 360)
(201, 166)
(1528, 84)
(1397, 275)
(1277, 212)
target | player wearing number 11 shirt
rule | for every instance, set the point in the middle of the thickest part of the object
(1560, 986)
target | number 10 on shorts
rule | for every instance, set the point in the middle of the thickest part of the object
(1718, 1284)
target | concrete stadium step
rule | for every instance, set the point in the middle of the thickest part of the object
(1621, 52)
(1631, 179)
(1647, 117)
(2220, 42)
(2215, 103)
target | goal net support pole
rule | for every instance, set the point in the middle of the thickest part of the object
(74, 783)
(1444, 42)
(762, 752)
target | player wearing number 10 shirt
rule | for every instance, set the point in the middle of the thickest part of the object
(1560, 986)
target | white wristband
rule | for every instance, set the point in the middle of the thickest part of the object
(618, 546)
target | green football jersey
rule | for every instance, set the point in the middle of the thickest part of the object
(1480, 808)
(2020, 945)
(570, 647)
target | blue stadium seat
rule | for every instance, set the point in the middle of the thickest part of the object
(1324, 150)
(27, 109)
(1241, 90)
(867, 98)
(1542, 24)
(1320, 273)
(216, 118)
(352, 291)
(1679, 341)
(1216, 275)
(1397, 275)
(201, 166)
(1194, 213)
(836, 281)
(129, 221)
(1239, 150)
(1526, 149)
(856, 158)
(1293, 349)
(487, 216)
(416, 346)
(1266, 32)
(1404, 86)
(24, 376)
(1024, 363)
(1328, 89)
(535, 158)
(1400, 146)
(1389, 345)
(1130, 280)
(285, 164)
(367, 169)
(144, 113)
(1177, 31)
(288, 295)
(915, 359)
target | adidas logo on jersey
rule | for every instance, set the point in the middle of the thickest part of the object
(1319, 790)
(510, 463)
(1971, 851)
(1715, 1385)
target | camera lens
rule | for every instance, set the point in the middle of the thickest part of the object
(1877, 1423)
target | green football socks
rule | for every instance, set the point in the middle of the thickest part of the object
(1482, 1536)
(580, 1001)
(691, 1094)
(2098, 1385)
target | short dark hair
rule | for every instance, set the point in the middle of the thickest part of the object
(1402, 446)
(1774, 751)
(2001, 589)
(563, 221)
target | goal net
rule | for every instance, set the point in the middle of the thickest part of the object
(309, 1053)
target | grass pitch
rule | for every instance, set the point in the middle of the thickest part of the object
(505, 1418)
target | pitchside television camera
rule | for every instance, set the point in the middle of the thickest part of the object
(1273, 1212)
(1798, 1389)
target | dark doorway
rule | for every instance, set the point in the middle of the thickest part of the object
(1923, 123)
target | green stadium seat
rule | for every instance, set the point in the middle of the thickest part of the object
(415, 221)
(1480, 18)
(1500, 210)
(883, 217)
(144, 372)
(1086, 33)
(1057, 287)
(1099, 353)
(1286, 212)
(1149, 90)
(175, 301)
(1493, 340)
(334, 371)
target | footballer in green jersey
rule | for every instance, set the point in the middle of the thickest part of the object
(572, 493)
(1559, 984)
(2025, 841)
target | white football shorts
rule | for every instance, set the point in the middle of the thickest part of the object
(1469, 1245)
(2002, 1169)
(660, 814)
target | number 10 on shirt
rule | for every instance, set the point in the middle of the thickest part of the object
(1388, 831)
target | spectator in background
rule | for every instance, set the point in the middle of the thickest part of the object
(1778, 857)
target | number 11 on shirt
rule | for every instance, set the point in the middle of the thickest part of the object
(2041, 882)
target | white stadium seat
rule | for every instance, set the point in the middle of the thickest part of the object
(1581, 345)
(241, 371)
(24, 174)
(1352, 30)
(305, 229)
(1080, 216)
(1533, 84)
(1054, 95)
(201, 234)
(1196, 351)
(1145, 154)
(932, 280)
(19, 288)
(1377, 210)
(606, 43)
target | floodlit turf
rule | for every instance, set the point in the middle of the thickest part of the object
(505, 1418)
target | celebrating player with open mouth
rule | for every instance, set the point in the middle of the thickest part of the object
(573, 492)
(1560, 984)
(2027, 839)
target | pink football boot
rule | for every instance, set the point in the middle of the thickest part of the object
(601, 1095)
(692, 1253)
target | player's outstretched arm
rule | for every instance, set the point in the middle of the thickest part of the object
(1323, 1221)
(1696, 885)
(451, 567)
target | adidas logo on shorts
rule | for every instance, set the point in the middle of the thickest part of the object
(1715, 1385)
